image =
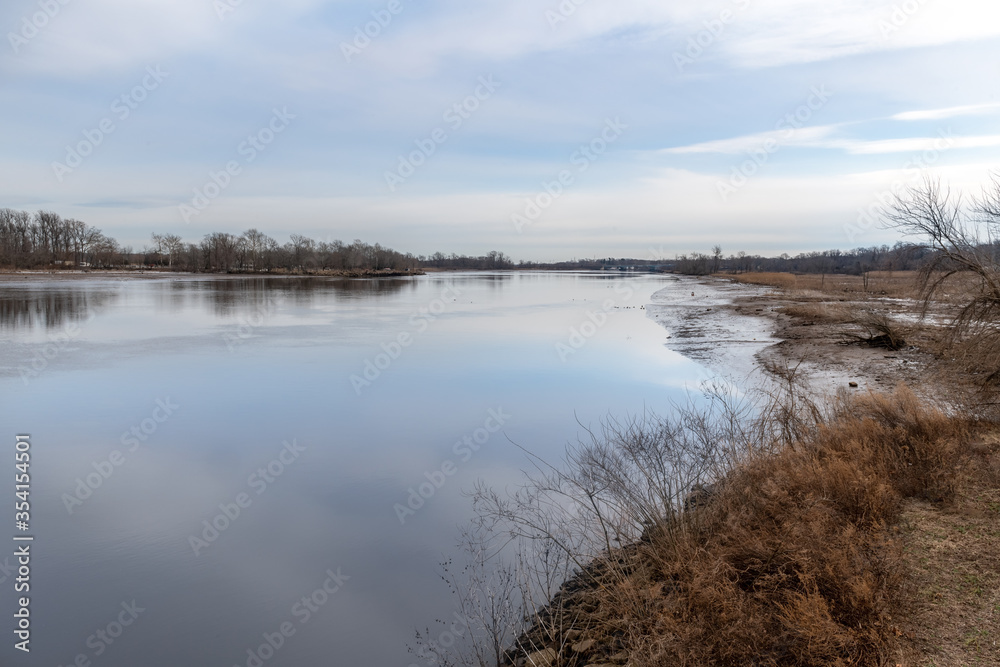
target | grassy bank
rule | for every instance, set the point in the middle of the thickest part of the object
(799, 557)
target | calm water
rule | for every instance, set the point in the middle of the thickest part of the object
(150, 403)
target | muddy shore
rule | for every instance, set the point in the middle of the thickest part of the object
(737, 330)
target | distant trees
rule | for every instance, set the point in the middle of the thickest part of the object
(493, 260)
(168, 244)
(256, 252)
(44, 239)
(29, 240)
(859, 262)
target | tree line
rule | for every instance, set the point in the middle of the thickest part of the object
(859, 261)
(44, 239)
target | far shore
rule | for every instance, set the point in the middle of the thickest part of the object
(78, 274)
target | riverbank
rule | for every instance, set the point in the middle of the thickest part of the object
(752, 325)
(869, 538)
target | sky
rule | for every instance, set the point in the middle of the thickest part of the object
(548, 130)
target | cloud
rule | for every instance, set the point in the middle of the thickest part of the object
(912, 145)
(820, 138)
(806, 136)
(950, 112)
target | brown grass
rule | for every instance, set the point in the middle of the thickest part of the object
(817, 312)
(875, 328)
(795, 560)
(896, 284)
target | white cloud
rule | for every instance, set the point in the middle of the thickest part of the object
(950, 112)
(820, 137)
(806, 136)
(912, 145)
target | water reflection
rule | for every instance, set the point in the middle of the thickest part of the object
(51, 308)
(492, 345)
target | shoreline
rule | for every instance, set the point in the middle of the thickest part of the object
(71, 274)
(893, 439)
(740, 330)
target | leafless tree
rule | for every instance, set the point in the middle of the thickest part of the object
(962, 240)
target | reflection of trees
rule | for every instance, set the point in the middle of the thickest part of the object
(244, 296)
(55, 306)
(51, 308)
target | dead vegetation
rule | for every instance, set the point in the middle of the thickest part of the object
(874, 327)
(773, 531)
(794, 556)
(892, 284)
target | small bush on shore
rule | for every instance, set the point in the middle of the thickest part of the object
(877, 329)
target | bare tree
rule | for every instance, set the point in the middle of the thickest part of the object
(962, 241)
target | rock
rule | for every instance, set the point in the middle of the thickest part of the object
(584, 646)
(546, 658)
(853, 385)
(700, 495)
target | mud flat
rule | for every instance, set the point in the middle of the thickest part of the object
(704, 324)
(737, 330)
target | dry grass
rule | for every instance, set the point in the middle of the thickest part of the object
(795, 560)
(874, 327)
(782, 280)
(895, 284)
(817, 312)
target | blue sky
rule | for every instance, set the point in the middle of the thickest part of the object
(582, 128)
